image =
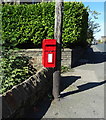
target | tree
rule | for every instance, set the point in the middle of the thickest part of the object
(92, 26)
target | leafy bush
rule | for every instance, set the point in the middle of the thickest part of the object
(15, 69)
(30, 24)
(64, 69)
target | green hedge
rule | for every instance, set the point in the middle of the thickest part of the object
(27, 24)
(75, 24)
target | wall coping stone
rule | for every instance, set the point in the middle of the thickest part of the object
(66, 49)
(40, 50)
(29, 50)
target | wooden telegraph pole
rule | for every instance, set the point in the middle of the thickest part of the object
(58, 37)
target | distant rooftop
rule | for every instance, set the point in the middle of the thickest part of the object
(103, 36)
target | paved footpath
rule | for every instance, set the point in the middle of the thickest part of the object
(82, 89)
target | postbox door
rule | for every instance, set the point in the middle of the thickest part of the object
(49, 53)
(50, 59)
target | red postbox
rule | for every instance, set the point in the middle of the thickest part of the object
(49, 53)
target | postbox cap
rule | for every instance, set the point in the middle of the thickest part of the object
(49, 41)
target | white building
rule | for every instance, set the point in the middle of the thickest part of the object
(24, 1)
(103, 38)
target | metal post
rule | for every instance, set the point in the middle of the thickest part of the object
(58, 37)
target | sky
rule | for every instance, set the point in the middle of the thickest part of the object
(99, 7)
(96, 5)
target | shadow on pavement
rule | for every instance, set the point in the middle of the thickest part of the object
(39, 110)
(67, 81)
(92, 57)
(84, 87)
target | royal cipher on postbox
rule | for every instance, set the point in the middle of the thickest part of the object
(49, 53)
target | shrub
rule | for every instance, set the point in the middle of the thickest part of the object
(30, 24)
(14, 69)
(64, 69)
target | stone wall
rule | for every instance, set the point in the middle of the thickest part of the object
(76, 55)
(35, 55)
(70, 57)
(34, 89)
(26, 93)
(66, 57)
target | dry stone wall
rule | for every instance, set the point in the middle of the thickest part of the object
(69, 58)
(66, 57)
(35, 56)
(26, 93)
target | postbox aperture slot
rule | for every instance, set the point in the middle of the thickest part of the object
(50, 45)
